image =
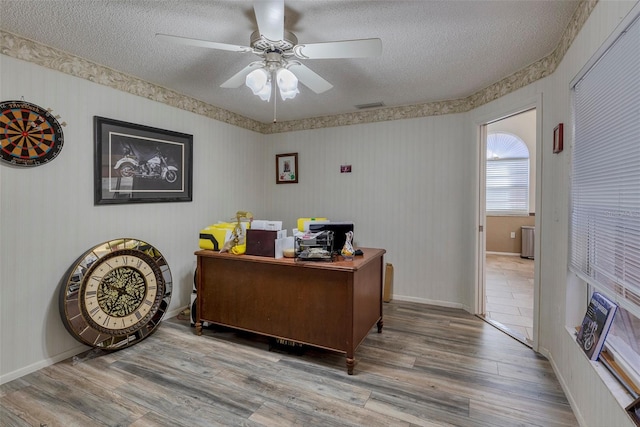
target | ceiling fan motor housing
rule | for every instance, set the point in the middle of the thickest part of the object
(262, 44)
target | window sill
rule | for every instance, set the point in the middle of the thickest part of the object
(618, 391)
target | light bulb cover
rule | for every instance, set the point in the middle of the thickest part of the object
(287, 81)
(257, 80)
(265, 93)
(288, 94)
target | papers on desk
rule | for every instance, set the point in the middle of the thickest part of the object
(263, 224)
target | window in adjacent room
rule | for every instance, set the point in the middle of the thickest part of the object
(507, 175)
(605, 188)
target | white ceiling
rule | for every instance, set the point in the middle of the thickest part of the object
(432, 50)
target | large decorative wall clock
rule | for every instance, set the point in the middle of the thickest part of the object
(29, 135)
(115, 294)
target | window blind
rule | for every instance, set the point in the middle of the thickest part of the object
(605, 181)
(507, 186)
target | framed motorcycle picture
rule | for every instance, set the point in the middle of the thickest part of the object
(141, 164)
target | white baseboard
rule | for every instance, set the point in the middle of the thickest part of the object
(62, 356)
(41, 364)
(502, 253)
(567, 392)
(175, 312)
(438, 303)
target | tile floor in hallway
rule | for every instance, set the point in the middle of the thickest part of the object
(509, 293)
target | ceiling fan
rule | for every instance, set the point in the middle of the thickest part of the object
(280, 53)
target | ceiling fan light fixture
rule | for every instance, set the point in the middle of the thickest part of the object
(287, 83)
(288, 94)
(278, 49)
(265, 93)
(257, 80)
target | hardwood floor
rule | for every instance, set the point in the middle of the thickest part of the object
(509, 294)
(430, 366)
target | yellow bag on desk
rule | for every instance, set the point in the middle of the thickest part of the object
(239, 249)
(215, 236)
(302, 221)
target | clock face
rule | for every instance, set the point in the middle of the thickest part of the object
(115, 294)
(29, 134)
(120, 290)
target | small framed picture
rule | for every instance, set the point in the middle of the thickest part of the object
(558, 138)
(287, 168)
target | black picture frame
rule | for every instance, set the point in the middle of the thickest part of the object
(287, 168)
(140, 164)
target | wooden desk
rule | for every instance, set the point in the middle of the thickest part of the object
(332, 305)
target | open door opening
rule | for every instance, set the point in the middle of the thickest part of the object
(508, 203)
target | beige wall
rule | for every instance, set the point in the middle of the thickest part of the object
(499, 229)
(412, 191)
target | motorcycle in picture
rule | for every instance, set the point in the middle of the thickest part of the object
(588, 332)
(155, 168)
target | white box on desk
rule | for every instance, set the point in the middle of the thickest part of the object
(263, 224)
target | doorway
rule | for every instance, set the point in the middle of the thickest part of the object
(507, 288)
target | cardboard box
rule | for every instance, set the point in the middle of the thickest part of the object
(388, 283)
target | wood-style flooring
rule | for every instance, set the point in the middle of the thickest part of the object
(430, 366)
(509, 294)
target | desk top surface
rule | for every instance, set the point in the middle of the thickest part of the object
(369, 254)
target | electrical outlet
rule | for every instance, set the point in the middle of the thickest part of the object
(513, 234)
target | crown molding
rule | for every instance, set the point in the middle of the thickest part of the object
(54, 59)
(45, 56)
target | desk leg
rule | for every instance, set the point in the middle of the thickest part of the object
(198, 328)
(380, 324)
(351, 363)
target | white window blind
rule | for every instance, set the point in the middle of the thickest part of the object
(507, 175)
(605, 182)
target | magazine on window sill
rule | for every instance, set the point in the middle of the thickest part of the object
(596, 324)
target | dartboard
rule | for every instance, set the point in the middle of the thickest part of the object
(29, 134)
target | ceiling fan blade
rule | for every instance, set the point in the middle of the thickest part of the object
(270, 18)
(361, 48)
(309, 78)
(239, 78)
(203, 43)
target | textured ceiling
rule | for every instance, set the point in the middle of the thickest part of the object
(432, 50)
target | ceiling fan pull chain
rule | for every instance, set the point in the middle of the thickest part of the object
(275, 96)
